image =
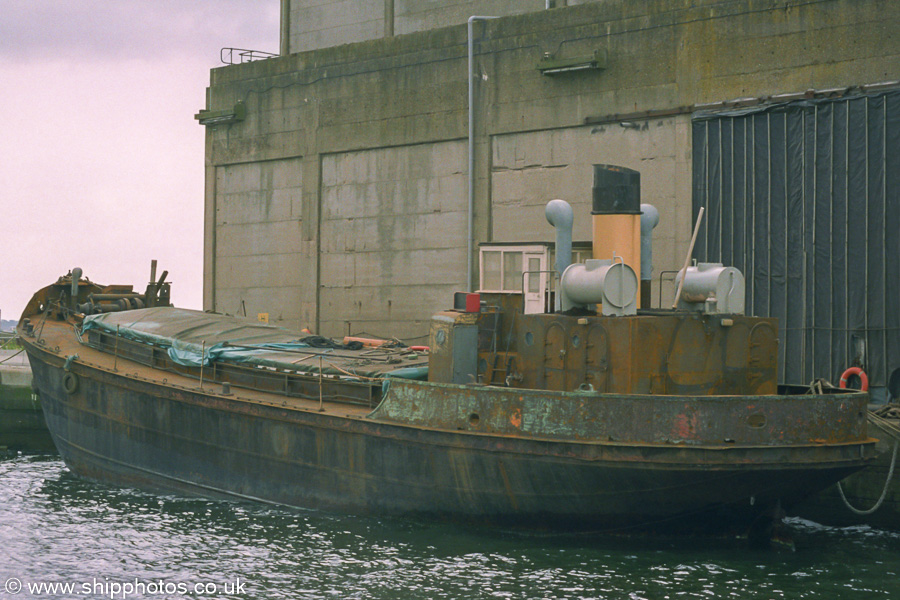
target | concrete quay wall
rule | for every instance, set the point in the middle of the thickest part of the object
(340, 202)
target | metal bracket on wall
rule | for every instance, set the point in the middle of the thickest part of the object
(551, 65)
(222, 116)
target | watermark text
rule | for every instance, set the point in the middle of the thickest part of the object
(122, 590)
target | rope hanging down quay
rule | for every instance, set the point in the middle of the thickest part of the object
(892, 430)
(887, 482)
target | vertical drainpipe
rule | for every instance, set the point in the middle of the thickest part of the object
(209, 221)
(388, 18)
(471, 204)
(209, 238)
(285, 42)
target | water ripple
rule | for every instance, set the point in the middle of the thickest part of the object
(58, 528)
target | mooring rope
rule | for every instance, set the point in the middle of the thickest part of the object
(818, 387)
(887, 427)
(12, 356)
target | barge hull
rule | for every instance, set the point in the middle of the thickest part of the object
(125, 430)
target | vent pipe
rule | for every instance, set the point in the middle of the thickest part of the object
(73, 291)
(649, 220)
(559, 214)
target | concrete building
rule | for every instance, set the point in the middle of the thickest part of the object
(338, 179)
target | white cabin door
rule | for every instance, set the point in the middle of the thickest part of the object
(534, 265)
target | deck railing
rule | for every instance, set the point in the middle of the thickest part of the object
(236, 56)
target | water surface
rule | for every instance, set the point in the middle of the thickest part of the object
(58, 529)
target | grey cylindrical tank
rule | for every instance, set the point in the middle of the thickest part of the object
(712, 287)
(600, 281)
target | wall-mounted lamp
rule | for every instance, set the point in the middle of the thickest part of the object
(222, 116)
(550, 65)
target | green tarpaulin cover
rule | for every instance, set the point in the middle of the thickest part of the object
(192, 338)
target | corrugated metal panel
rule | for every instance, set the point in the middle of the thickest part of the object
(804, 198)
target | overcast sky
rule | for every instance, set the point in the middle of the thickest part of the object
(101, 160)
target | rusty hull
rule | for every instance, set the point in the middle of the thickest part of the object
(677, 353)
(681, 353)
(128, 429)
(530, 458)
(721, 422)
(695, 460)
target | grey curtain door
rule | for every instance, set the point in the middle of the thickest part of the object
(804, 198)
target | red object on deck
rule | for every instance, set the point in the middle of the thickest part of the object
(473, 303)
(366, 342)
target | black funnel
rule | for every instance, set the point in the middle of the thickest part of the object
(617, 191)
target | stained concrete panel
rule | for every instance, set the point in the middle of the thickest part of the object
(400, 315)
(259, 192)
(530, 169)
(318, 24)
(323, 23)
(399, 232)
(280, 303)
(249, 239)
(421, 15)
(260, 256)
(393, 227)
(262, 271)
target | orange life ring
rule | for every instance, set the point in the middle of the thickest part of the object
(845, 377)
